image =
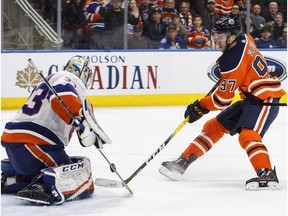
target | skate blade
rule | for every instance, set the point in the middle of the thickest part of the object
(174, 176)
(38, 202)
(254, 186)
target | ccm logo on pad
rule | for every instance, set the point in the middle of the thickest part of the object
(73, 167)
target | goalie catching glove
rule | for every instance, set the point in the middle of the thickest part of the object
(195, 111)
(91, 133)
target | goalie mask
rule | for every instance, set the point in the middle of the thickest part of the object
(81, 68)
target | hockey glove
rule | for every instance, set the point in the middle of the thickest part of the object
(195, 111)
(92, 132)
(87, 137)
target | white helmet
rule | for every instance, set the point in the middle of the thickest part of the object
(81, 68)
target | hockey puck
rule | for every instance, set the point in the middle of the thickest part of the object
(112, 167)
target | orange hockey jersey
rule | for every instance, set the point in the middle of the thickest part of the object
(223, 6)
(197, 39)
(244, 67)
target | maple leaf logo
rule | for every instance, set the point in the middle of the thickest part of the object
(27, 78)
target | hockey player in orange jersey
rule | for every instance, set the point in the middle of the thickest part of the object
(38, 169)
(244, 68)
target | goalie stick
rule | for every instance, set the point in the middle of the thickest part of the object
(114, 183)
(111, 165)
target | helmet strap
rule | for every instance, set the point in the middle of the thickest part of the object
(228, 46)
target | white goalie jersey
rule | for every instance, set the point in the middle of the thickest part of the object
(43, 119)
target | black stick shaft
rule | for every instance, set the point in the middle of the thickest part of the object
(167, 140)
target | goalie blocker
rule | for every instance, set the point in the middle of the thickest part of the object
(60, 184)
(91, 132)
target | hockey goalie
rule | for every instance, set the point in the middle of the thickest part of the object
(38, 169)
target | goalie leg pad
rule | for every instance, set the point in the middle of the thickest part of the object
(70, 182)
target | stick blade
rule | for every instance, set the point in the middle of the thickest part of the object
(108, 183)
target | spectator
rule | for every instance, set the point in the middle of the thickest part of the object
(181, 30)
(258, 21)
(223, 8)
(243, 7)
(185, 15)
(114, 24)
(157, 3)
(281, 42)
(73, 23)
(144, 11)
(137, 40)
(264, 4)
(272, 11)
(197, 7)
(265, 41)
(212, 16)
(95, 23)
(171, 40)
(133, 11)
(155, 28)
(167, 11)
(278, 26)
(235, 14)
(252, 30)
(198, 36)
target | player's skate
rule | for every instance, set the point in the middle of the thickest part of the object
(266, 180)
(36, 194)
(175, 169)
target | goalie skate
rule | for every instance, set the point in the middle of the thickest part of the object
(266, 180)
(175, 169)
(35, 194)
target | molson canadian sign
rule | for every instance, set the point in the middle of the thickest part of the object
(126, 73)
(113, 72)
(124, 77)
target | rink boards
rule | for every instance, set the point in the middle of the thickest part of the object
(132, 78)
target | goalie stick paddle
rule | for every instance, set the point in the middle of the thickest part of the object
(114, 183)
(112, 165)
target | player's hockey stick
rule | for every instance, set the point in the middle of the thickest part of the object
(112, 165)
(114, 183)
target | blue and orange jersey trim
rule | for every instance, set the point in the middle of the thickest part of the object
(29, 132)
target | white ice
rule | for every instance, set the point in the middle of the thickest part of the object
(213, 185)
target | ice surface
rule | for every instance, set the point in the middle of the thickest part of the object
(213, 185)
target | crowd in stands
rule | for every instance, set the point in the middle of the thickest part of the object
(166, 24)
